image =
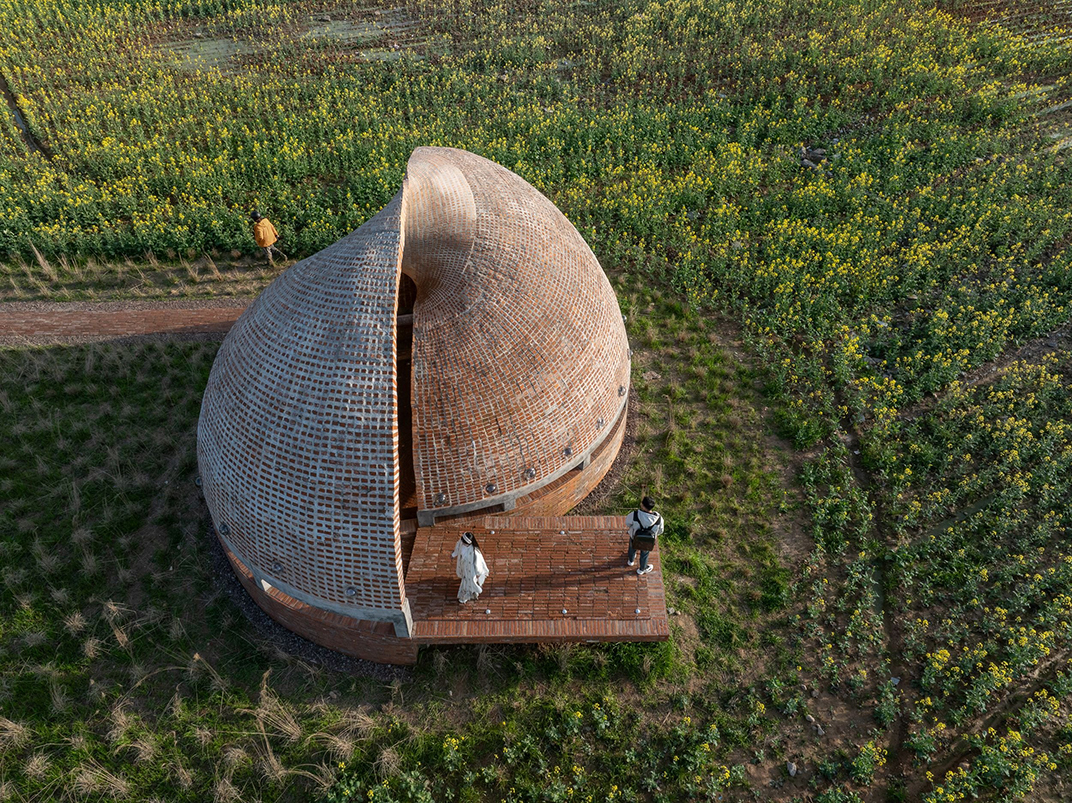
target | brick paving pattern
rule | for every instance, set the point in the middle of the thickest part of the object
(551, 579)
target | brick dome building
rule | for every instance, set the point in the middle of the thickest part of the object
(460, 354)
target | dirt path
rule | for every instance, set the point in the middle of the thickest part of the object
(20, 121)
(1032, 351)
(40, 323)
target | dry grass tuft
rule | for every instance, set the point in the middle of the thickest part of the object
(93, 779)
(225, 792)
(176, 630)
(272, 767)
(121, 636)
(203, 736)
(90, 566)
(13, 577)
(46, 268)
(358, 723)
(26, 599)
(144, 749)
(183, 777)
(71, 269)
(388, 763)
(176, 706)
(13, 734)
(234, 756)
(122, 721)
(339, 745)
(272, 714)
(325, 776)
(58, 695)
(48, 560)
(37, 766)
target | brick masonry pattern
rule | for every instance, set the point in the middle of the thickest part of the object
(520, 364)
(520, 357)
(551, 579)
(297, 438)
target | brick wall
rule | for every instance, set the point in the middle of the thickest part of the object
(561, 496)
(520, 356)
(297, 440)
(567, 492)
(373, 641)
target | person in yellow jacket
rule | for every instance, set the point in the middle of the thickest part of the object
(266, 236)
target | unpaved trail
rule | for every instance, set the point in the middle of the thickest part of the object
(41, 323)
(20, 121)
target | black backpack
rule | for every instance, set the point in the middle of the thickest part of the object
(644, 538)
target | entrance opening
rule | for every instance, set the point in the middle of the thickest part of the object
(407, 482)
(407, 294)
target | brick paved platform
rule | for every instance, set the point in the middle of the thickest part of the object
(35, 322)
(539, 566)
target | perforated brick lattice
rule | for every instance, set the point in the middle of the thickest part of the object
(520, 371)
(297, 436)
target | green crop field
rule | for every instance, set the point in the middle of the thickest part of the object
(842, 236)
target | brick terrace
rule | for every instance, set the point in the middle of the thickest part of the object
(539, 566)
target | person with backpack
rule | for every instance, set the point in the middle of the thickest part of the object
(645, 525)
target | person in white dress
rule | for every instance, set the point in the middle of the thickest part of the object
(472, 569)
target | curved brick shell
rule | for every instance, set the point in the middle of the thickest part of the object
(297, 441)
(520, 371)
(519, 349)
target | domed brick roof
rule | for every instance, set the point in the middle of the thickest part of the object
(519, 373)
(519, 347)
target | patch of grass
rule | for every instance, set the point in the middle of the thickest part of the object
(701, 455)
(114, 676)
(125, 673)
(92, 279)
(545, 749)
